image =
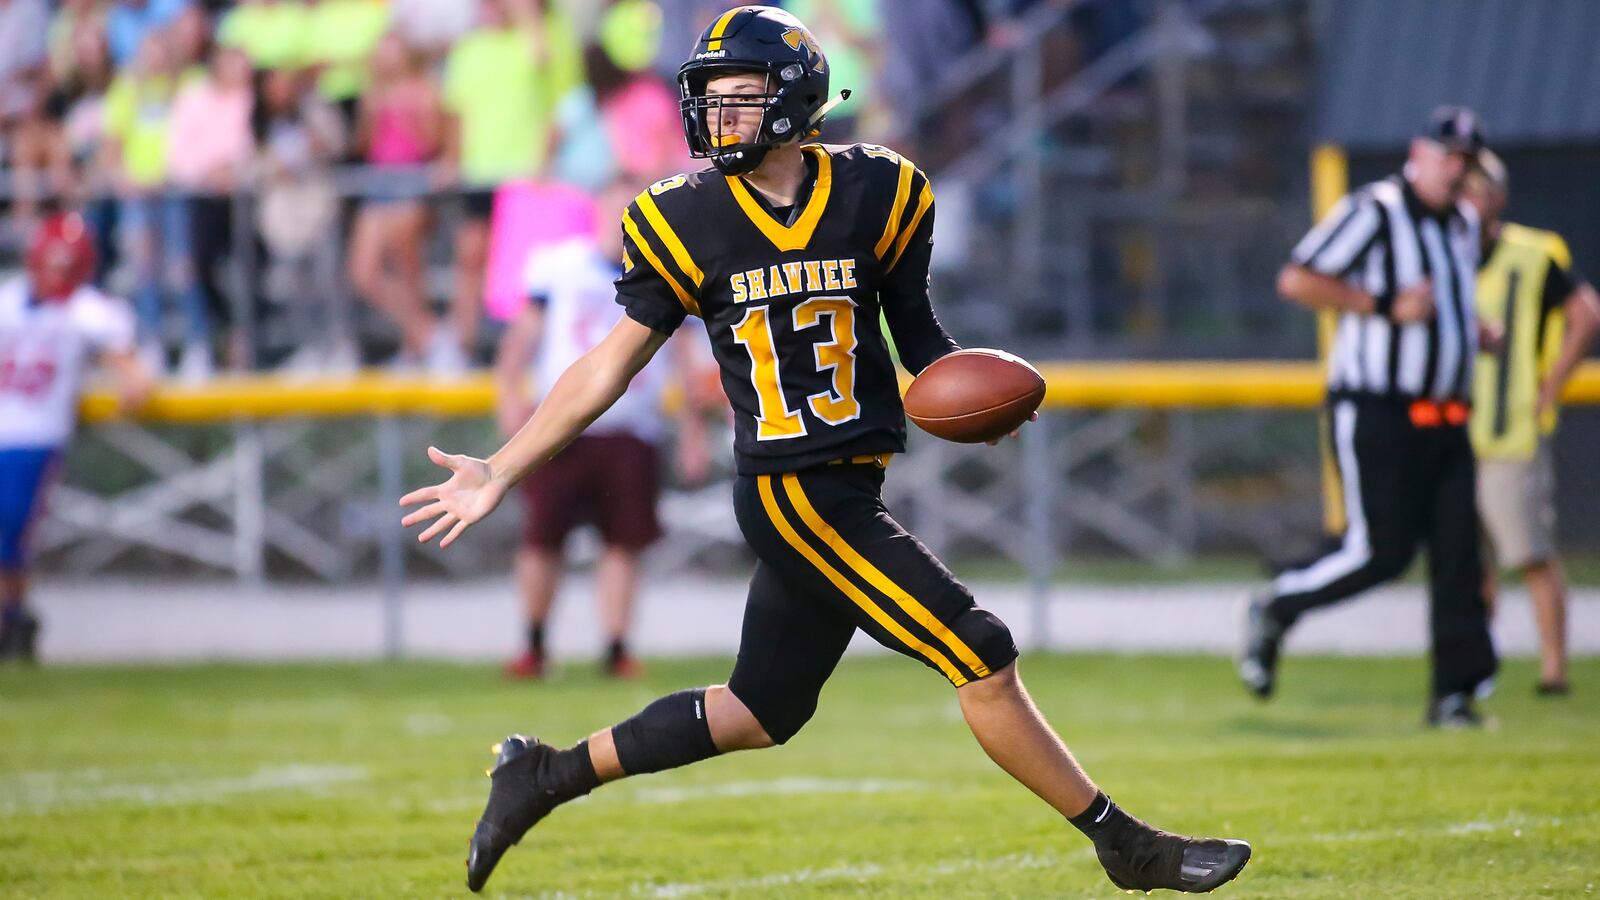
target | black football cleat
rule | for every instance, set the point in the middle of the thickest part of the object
(19, 637)
(1147, 859)
(1258, 651)
(522, 791)
(1454, 711)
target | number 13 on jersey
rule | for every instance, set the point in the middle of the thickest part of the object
(837, 356)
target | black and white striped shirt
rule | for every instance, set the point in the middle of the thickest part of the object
(1382, 238)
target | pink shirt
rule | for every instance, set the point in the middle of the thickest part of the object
(210, 129)
(646, 129)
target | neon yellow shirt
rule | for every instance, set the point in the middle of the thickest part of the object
(342, 35)
(137, 113)
(274, 36)
(492, 84)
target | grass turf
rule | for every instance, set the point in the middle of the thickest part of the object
(344, 781)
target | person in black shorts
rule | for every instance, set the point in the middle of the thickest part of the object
(789, 252)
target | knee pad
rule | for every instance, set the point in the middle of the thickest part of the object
(988, 637)
(782, 713)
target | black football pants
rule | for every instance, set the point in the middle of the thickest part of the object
(830, 559)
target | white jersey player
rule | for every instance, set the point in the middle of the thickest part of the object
(610, 474)
(53, 327)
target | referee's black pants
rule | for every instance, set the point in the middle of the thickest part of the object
(1403, 485)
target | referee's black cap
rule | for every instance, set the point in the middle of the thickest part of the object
(1456, 128)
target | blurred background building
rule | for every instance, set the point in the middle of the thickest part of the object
(307, 188)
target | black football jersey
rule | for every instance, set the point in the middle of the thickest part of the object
(791, 298)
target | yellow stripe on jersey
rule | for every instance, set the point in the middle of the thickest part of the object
(722, 26)
(902, 193)
(684, 296)
(924, 202)
(680, 253)
(798, 235)
(856, 595)
(875, 577)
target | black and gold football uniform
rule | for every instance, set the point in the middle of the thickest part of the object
(791, 298)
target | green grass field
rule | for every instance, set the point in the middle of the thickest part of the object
(364, 781)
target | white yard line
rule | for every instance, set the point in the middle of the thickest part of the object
(48, 791)
(1517, 824)
(863, 872)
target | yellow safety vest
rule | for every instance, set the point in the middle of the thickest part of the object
(1505, 392)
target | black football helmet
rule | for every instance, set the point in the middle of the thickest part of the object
(764, 40)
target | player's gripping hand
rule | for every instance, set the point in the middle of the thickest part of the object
(470, 493)
(1017, 433)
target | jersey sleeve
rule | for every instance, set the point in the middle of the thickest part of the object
(106, 323)
(660, 281)
(1341, 239)
(905, 253)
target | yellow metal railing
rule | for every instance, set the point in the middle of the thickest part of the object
(1087, 385)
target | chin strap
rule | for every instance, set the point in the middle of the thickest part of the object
(826, 108)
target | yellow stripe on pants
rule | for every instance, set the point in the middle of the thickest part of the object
(918, 613)
(855, 594)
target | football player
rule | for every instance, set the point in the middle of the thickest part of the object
(52, 328)
(789, 251)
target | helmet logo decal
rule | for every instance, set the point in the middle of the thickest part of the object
(794, 37)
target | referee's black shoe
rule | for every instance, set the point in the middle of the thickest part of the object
(1258, 653)
(1141, 858)
(523, 789)
(1454, 711)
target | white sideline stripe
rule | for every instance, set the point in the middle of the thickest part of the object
(1356, 550)
(42, 792)
(777, 787)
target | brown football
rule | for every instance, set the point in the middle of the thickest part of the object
(971, 396)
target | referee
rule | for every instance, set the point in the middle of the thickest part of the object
(1398, 260)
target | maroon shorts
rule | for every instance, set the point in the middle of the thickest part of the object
(610, 480)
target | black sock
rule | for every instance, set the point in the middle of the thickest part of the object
(615, 651)
(669, 733)
(536, 638)
(1102, 819)
(573, 771)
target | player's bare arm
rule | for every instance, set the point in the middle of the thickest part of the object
(133, 382)
(1314, 290)
(587, 389)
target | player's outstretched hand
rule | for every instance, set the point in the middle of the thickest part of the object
(468, 495)
(1018, 433)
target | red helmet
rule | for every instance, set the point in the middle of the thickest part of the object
(60, 256)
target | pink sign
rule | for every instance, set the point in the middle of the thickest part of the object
(528, 215)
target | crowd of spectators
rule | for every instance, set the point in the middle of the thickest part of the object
(196, 135)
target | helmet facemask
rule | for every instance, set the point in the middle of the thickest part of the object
(703, 117)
